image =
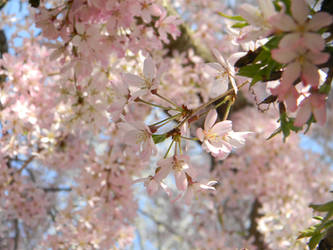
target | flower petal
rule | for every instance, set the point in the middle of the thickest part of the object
(216, 66)
(314, 41)
(320, 115)
(133, 80)
(310, 74)
(300, 11)
(290, 40)
(200, 134)
(221, 128)
(303, 113)
(317, 57)
(149, 70)
(181, 180)
(210, 119)
(282, 22)
(291, 73)
(283, 55)
(319, 20)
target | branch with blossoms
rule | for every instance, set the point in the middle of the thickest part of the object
(217, 138)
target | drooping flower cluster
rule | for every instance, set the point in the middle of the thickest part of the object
(113, 89)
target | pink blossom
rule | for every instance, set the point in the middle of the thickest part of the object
(316, 104)
(143, 85)
(223, 73)
(195, 187)
(139, 136)
(219, 138)
(153, 184)
(300, 27)
(178, 164)
(167, 25)
(259, 18)
(300, 63)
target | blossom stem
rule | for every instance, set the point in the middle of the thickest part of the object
(169, 101)
(166, 154)
(155, 105)
(165, 120)
(230, 91)
(230, 103)
(188, 138)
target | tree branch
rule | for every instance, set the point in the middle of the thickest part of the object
(17, 234)
(253, 231)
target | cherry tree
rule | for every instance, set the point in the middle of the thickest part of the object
(172, 124)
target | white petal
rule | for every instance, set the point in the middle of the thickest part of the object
(210, 119)
(319, 20)
(149, 70)
(300, 10)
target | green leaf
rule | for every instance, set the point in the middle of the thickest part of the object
(235, 18)
(159, 138)
(315, 240)
(322, 207)
(240, 25)
(250, 70)
(318, 218)
(309, 232)
(325, 89)
(277, 131)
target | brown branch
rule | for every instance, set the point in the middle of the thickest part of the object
(56, 189)
(253, 230)
(17, 234)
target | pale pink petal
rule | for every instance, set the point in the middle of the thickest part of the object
(290, 40)
(133, 80)
(149, 70)
(300, 10)
(216, 66)
(283, 22)
(181, 180)
(207, 187)
(162, 173)
(303, 114)
(210, 119)
(291, 99)
(152, 187)
(320, 115)
(314, 41)
(318, 100)
(200, 134)
(283, 55)
(317, 57)
(220, 86)
(237, 139)
(233, 83)
(250, 13)
(319, 20)
(310, 74)
(222, 128)
(141, 180)
(212, 183)
(219, 57)
(267, 8)
(291, 73)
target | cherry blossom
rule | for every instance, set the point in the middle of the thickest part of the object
(300, 27)
(316, 104)
(224, 73)
(219, 138)
(179, 165)
(143, 85)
